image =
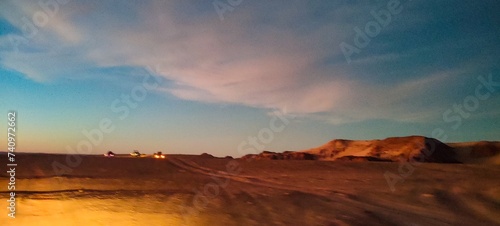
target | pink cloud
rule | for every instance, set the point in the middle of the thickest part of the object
(234, 61)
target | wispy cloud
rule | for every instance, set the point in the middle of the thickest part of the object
(266, 56)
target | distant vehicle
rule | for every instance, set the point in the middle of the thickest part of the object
(109, 154)
(159, 155)
(136, 153)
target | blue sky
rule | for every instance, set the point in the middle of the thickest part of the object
(221, 74)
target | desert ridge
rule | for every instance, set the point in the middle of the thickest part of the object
(394, 149)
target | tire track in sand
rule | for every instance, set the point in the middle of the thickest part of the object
(195, 168)
(385, 211)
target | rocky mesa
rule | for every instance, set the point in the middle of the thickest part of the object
(394, 149)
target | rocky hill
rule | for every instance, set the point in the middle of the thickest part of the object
(394, 149)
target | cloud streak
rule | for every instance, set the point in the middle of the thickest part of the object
(272, 56)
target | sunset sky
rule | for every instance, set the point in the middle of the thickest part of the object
(204, 76)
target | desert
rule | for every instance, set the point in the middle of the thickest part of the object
(249, 113)
(206, 190)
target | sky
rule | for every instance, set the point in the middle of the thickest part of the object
(234, 77)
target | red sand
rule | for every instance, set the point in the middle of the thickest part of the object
(194, 190)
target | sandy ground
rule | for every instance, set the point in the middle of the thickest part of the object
(192, 190)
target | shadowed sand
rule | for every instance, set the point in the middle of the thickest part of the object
(200, 190)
